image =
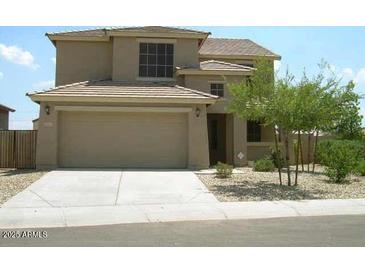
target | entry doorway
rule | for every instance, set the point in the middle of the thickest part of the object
(217, 138)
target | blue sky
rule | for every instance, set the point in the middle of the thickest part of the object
(27, 57)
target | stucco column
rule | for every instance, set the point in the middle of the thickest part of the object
(239, 141)
(46, 157)
(198, 138)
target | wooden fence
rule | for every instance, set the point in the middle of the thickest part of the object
(18, 148)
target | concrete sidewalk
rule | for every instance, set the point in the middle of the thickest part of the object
(119, 214)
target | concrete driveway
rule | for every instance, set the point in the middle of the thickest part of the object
(90, 188)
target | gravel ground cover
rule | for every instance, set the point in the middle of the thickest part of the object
(260, 186)
(13, 181)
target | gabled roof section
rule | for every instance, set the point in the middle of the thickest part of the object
(120, 91)
(214, 67)
(5, 108)
(234, 48)
(104, 34)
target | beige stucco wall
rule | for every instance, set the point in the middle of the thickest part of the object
(82, 61)
(202, 83)
(35, 125)
(4, 120)
(48, 135)
(267, 134)
(126, 55)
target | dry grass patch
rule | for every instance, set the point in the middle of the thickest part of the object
(261, 186)
(13, 181)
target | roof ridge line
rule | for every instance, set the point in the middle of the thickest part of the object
(77, 30)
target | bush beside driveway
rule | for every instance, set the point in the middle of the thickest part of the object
(13, 181)
(264, 186)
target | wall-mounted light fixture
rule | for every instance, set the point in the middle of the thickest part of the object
(47, 109)
(197, 112)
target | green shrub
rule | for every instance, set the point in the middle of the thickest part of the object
(360, 168)
(340, 158)
(277, 158)
(224, 170)
(264, 165)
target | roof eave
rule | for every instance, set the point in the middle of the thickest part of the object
(110, 99)
(55, 37)
(7, 109)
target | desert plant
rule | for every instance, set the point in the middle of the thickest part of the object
(223, 170)
(360, 168)
(264, 165)
(340, 158)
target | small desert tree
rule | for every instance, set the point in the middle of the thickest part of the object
(251, 98)
(281, 112)
(348, 119)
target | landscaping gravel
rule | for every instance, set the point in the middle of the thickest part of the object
(13, 181)
(260, 186)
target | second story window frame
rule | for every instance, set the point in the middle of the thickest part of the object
(156, 60)
(217, 89)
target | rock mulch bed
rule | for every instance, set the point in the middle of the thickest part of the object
(261, 186)
(13, 181)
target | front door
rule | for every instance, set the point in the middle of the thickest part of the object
(217, 138)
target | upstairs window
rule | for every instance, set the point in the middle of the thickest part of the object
(217, 89)
(253, 131)
(156, 60)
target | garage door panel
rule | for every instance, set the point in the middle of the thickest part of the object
(88, 139)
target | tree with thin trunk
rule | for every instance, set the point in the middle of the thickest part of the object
(250, 99)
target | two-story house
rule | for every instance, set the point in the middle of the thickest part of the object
(147, 97)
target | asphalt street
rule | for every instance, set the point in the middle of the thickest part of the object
(299, 231)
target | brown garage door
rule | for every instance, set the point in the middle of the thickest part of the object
(114, 139)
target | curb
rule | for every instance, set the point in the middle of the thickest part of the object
(11, 218)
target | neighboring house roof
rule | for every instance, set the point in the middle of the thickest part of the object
(5, 108)
(148, 31)
(120, 91)
(216, 67)
(234, 48)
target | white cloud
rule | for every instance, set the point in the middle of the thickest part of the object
(43, 85)
(358, 77)
(53, 59)
(348, 73)
(18, 56)
(1, 75)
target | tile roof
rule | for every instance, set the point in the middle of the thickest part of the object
(219, 65)
(222, 46)
(121, 89)
(147, 29)
(3, 107)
